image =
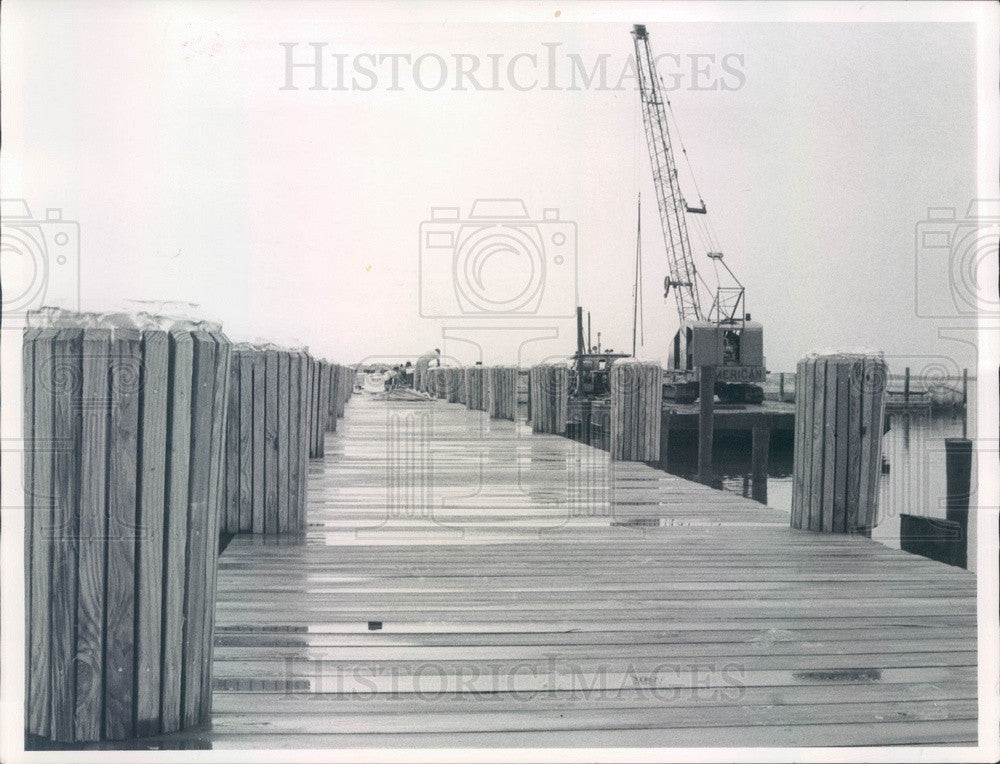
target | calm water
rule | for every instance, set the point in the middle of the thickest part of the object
(913, 479)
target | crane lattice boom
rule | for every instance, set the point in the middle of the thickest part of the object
(668, 193)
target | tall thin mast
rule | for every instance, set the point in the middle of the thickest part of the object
(637, 286)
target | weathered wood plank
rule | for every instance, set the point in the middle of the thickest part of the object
(65, 381)
(260, 444)
(39, 711)
(154, 406)
(244, 360)
(220, 413)
(199, 529)
(119, 666)
(295, 465)
(283, 465)
(231, 517)
(272, 486)
(176, 553)
(94, 449)
(28, 348)
(303, 441)
(817, 436)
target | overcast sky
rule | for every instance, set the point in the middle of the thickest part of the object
(295, 215)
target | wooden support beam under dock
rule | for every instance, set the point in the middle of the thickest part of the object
(465, 582)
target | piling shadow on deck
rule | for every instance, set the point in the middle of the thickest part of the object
(464, 582)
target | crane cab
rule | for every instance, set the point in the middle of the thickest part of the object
(735, 348)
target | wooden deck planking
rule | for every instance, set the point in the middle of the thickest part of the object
(517, 609)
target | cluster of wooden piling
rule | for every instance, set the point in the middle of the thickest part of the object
(124, 465)
(145, 439)
(502, 394)
(341, 390)
(316, 405)
(481, 388)
(839, 422)
(455, 380)
(475, 388)
(277, 413)
(548, 389)
(636, 402)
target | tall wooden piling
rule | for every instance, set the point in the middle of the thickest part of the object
(267, 453)
(120, 567)
(455, 381)
(345, 384)
(965, 403)
(502, 392)
(549, 398)
(475, 388)
(839, 420)
(958, 486)
(760, 445)
(333, 387)
(665, 417)
(636, 402)
(706, 423)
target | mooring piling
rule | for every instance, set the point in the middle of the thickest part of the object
(839, 418)
(119, 568)
(760, 445)
(706, 414)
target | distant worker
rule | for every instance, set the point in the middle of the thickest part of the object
(391, 378)
(420, 370)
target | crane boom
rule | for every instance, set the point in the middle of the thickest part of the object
(668, 193)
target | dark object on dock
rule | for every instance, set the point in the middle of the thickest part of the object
(120, 567)
(549, 385)
(958, 482)
(636, 401)
(934, 538)
(278, 411)
(839, 422)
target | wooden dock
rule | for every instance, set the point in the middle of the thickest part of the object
(464, 582)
